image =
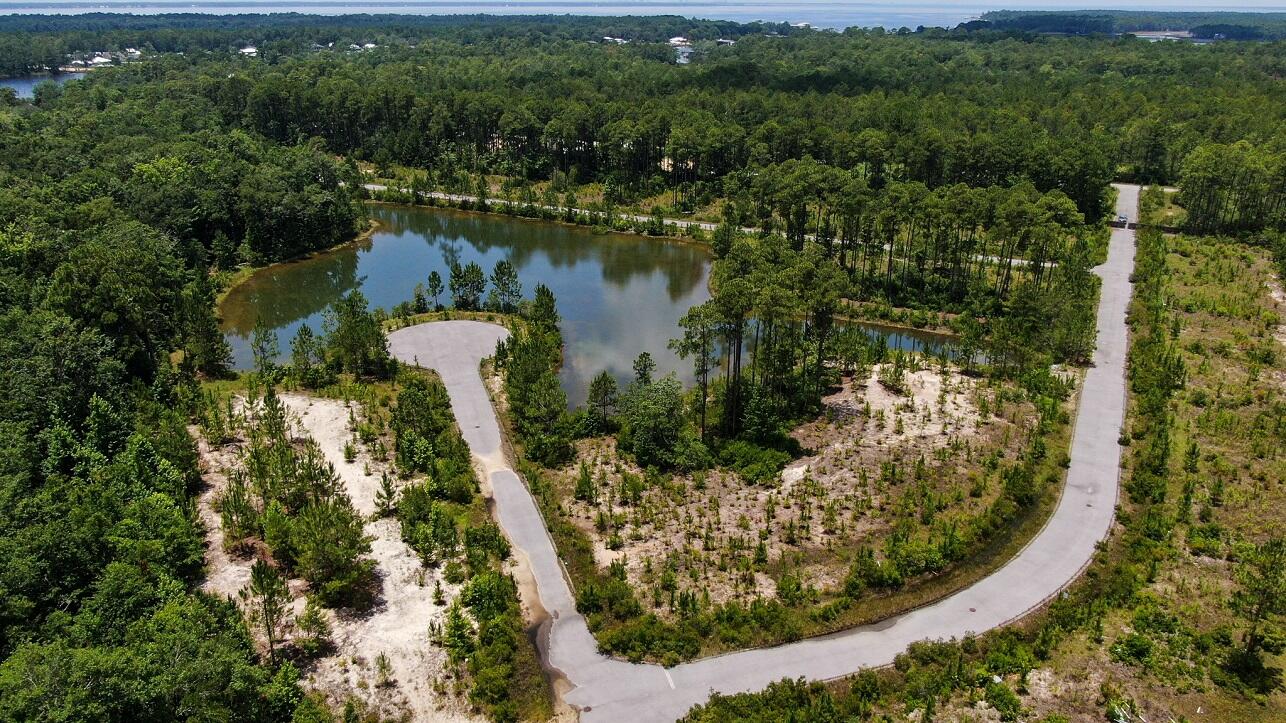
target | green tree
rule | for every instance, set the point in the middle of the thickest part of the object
(644, 368)
(203, 341)
(124, 281)
(700, 326)
(264, 349)
(505, 288)
(544, 310)
(649, 412)
(354, 339)
(467, 286)
(330, 547)
(268, 599)
(602, 399)
(308, 358)
(1261, 597)
(585, 489)
(458, 635)
(435, 289)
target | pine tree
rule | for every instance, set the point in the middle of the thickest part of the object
(386, 497)
(268, 599)
(315, 628)
(435, 289)
(585, 491)
(458, 636)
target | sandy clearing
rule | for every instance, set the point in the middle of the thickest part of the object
(226, 574)
(935, 409)
(397, 626)
(825, 504)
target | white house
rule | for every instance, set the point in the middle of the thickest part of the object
(249, 51)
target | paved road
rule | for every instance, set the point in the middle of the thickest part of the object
(612, 690)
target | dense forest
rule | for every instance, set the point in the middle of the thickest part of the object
(113, 213)
(33, 43)
(1208, 25)
(935, 107)
(962, 171)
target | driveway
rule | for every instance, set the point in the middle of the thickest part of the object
(612, 690)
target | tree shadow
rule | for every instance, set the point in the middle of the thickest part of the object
(1247, 672)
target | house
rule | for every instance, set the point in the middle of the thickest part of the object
(249, 51)
(725, 41)
(678, 41)
(99, 61)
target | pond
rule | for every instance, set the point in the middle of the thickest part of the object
(26, 85)
(618, 294)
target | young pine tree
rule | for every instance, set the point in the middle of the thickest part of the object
(267, 599)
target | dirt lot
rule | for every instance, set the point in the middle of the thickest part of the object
(397, 626)
(872, 452)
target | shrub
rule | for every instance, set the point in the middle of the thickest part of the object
(754, 463)
(1004, 701)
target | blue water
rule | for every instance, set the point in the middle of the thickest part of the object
(824, 14)
(26, 86)
(618, 295)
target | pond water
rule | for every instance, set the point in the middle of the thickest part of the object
(26, 85)
(618, 294)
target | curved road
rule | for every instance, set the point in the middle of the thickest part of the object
(612, 690)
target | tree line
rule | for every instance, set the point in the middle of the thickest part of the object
(1165, 471)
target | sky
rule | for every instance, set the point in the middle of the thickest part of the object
(819, 13)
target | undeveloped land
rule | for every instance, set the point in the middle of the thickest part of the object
(397, 626)
(873, 454)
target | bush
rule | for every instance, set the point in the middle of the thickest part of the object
(1004, 701)
(1134, 648)
(754, 463)
(1206, 540)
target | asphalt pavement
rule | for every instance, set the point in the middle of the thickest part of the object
(613, 690)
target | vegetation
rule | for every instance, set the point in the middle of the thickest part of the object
(537, 402)
(1201, 519)
(1207, 25)
(766, 350)
(293, 501)
(954, 175)
(444, 520)
(113, 213)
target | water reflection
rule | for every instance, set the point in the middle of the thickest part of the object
(618, 295)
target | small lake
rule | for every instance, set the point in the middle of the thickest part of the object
(26, 85)
(618, 294)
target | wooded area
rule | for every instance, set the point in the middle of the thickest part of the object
(950, 171)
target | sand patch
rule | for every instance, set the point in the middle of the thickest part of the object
(397, 626)
(1279, 297)
(225, 573)
(723, 539)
